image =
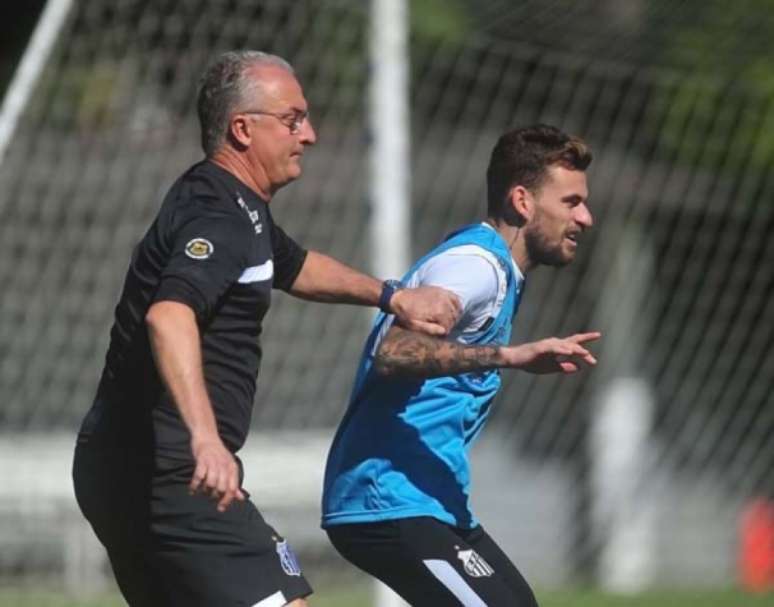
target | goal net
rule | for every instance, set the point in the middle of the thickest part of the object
(655, 451)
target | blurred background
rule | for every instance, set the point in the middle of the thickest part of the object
(648, 480)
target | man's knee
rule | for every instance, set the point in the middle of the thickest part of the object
(297, 603)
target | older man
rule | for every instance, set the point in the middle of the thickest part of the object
(155, 471)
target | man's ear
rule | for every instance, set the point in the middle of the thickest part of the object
(520, 206)
(239, 132)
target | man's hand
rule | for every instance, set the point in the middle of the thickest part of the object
(552, 355)
(430, 310)
(216, 473)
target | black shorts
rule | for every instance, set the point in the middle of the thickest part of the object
(168, 548)
(430, 563)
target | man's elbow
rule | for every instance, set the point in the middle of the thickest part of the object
(157, 316)
(153, 318)
(385, 363)
(390, 359)
(390, 367)
(382, 367)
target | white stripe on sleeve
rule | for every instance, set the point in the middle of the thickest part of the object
(275, 600)
(258, 273)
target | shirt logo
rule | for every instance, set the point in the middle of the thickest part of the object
(288, 559)
(254, 216)
(241, 202)
(256, 219)
(199, 248)
(474, 564)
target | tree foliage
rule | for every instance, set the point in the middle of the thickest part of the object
(719, 111)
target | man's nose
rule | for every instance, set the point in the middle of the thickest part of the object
(583, 216)
(307, 133)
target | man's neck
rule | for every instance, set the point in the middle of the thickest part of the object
(238, 165)
(514, 236)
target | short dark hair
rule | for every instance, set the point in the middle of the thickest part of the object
(223, 87)
(522, 157)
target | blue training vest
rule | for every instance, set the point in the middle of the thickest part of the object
(401, 449)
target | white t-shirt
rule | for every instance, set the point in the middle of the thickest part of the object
(475, 276)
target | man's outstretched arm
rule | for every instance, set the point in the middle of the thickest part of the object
(427, 309)
(407, 353)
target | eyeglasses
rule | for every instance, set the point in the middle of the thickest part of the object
(293, 120)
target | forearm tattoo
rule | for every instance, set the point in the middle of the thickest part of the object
(407, 353)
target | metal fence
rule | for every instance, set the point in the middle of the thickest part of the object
(677, 271)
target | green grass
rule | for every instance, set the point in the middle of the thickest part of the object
(685, 598)
(360, 596)
(32, 598)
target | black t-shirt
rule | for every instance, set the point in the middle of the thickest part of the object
(214, 247)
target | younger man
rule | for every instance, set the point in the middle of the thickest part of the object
(396, 494)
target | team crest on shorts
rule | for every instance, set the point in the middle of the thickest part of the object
(288, 558)
(474, 564)
(199, 248)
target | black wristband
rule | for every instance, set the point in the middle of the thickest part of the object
(388, 290)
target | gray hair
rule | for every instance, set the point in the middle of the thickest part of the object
(223, 88)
